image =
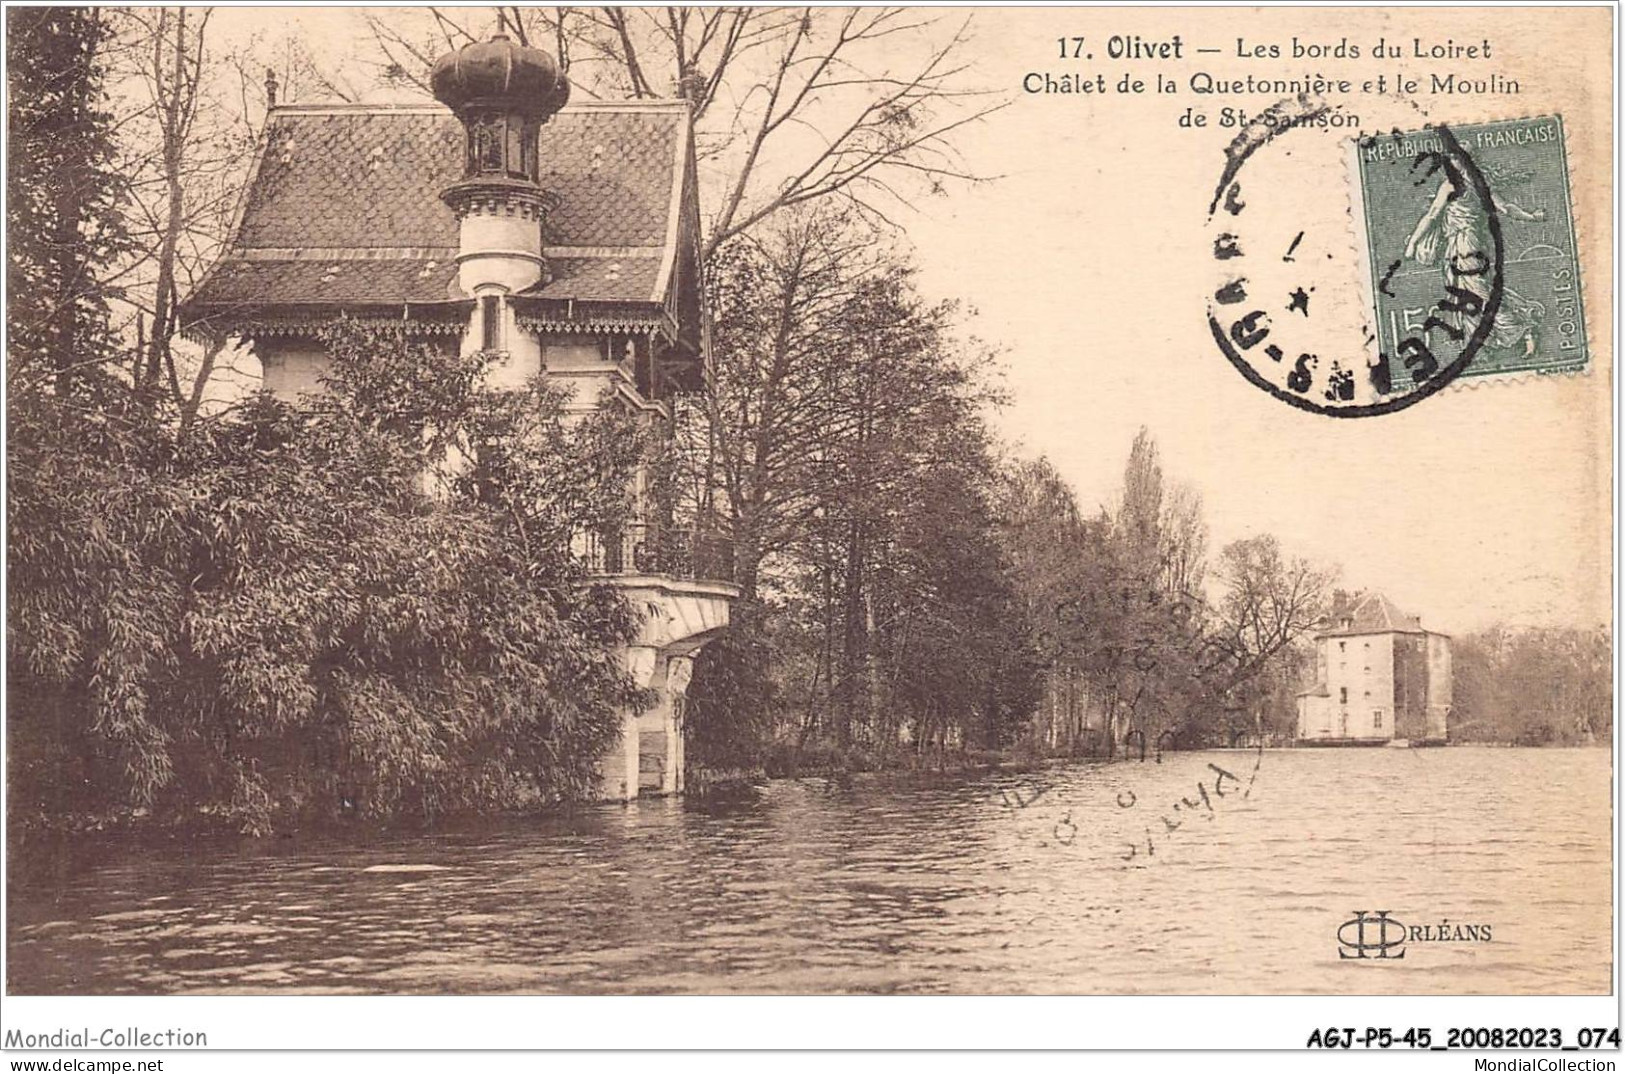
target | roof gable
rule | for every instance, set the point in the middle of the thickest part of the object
(1376, 614)
(344, 208)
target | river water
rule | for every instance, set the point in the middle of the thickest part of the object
(1242, 868)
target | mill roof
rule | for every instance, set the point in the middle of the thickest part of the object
(1375, 614)
(343, 210)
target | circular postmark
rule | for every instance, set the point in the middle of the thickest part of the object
(1294, 302)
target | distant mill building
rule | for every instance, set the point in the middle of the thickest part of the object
(563, 238)
(1380, 679)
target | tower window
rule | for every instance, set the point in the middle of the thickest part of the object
(514, 158)
(490, 323)
(500, 144)
(485, 145)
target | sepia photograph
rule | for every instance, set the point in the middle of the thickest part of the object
(809, 502)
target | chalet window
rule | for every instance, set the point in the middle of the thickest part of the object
(1343, 694)
(490, 323)
(1376, 719)
(1342, 646)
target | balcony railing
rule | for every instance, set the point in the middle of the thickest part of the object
(640, 548)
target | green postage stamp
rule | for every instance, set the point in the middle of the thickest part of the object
(1462, 219)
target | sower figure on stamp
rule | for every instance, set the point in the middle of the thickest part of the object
(1453, 233)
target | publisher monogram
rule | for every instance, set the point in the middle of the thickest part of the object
(1372, 932)
(1377, 934)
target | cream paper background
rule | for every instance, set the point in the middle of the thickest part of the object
(1091, 260)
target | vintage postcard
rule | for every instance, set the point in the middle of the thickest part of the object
(846, 501)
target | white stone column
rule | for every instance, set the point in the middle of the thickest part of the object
(654, 746)
(660, 728)
(680, 670)
(619, 768)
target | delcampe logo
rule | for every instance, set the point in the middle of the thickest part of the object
(1371, 935)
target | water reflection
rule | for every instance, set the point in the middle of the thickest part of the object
(885, 885)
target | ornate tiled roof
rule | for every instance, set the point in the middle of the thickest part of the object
(344, 209)
(239, 281)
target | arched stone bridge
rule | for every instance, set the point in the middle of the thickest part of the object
(679, 617)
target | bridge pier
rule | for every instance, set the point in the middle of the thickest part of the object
(647, 758)
(660, 732)
(679, 618)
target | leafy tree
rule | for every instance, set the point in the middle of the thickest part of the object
(1051, 550)
(1132, 641)
(65, 200)
(280, 615)
(1138, 523)
(845, 416)
(954, 643)
(1533, 686)
(1270, 604)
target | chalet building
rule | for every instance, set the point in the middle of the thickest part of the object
(1379, 679)
(563, 237)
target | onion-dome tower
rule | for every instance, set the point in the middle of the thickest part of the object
(502, 93)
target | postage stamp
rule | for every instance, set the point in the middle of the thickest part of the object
(1290, 307)
(1430, 248)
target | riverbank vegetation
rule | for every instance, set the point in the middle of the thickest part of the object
(364, 605)
(846, 455)
(223, 606)
(1534, 687)
(958, 606)
(274, 616)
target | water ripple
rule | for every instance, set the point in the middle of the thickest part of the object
(885, 886)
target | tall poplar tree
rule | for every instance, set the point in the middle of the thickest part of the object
(63, 199)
